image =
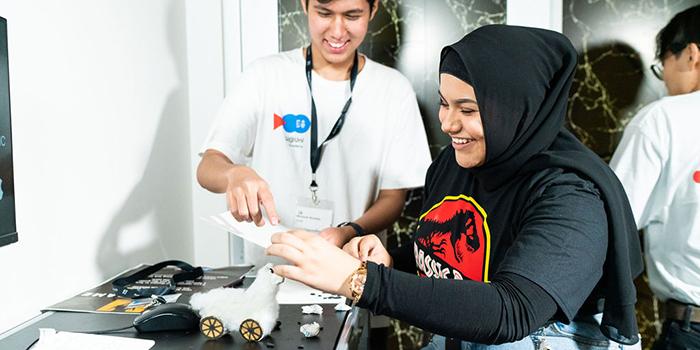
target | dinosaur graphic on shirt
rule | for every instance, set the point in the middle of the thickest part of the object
(454, 233)
(461, 230)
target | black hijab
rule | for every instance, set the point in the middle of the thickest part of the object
(521, 77)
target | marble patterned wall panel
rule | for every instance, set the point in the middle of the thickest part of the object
(407, 35)
(616, 45)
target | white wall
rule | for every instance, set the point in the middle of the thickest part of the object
(101, 140)
(224, 37)
(206, 91)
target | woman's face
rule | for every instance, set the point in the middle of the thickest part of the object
(460, 119)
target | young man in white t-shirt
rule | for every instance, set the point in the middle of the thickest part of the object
(259, 150)
(658, 162)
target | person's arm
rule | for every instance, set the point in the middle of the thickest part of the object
(502, 311)
(384, 211)
(505, 310)
(245, 190)
(230, 144)
(380, 215)
(405, 159)
(638, 162)
(212, 170)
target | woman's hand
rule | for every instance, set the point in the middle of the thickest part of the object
(315, 261)
(368, 248)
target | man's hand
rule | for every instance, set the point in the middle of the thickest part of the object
(246, 192)
(369, 248)
(338, 236)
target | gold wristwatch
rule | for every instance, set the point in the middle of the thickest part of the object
(357, 282)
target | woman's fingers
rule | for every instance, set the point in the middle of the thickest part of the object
(289, 271)
(312, 260)
(287, 252)
(365, 248)
(304, 235)
(289, 239)
(295, 246)
(352, 247)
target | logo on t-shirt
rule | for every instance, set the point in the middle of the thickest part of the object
(298, 123)
(696, 177)
(453, 240)
(293, 123)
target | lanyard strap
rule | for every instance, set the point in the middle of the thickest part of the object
(316, 149)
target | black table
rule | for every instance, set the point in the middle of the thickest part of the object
(341, 330)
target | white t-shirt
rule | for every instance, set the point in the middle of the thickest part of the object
(658, 162)
(264, 123)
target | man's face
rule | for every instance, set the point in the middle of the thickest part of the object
(337, 28)
(682, 71)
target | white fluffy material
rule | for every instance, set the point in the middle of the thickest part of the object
(233, 305)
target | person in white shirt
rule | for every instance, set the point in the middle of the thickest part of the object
(266, 149)
(658, 163)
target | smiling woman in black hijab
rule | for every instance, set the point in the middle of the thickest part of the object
(524, 231)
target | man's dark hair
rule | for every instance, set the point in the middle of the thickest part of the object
(371, 3)
(683, 29)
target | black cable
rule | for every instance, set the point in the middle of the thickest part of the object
(107, 331)
(104, 331)
(32, 344)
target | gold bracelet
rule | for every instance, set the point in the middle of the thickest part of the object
(357, 282)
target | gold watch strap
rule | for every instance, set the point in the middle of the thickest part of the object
(357, 282)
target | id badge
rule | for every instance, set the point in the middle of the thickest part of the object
(313, 217)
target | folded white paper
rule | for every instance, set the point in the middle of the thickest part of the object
(246, 230)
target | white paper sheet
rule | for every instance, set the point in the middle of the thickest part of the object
(246, 230)
(292, 292)
(50, 340)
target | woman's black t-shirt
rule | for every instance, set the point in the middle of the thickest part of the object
(489, 263)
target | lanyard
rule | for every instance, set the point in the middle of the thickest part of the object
(316, 150)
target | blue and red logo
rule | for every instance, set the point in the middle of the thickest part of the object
(292, 123)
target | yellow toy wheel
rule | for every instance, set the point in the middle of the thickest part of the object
(251, 330)
(212, 328)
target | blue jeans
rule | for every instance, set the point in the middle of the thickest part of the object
(578, 335)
